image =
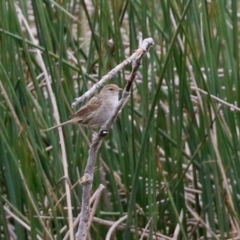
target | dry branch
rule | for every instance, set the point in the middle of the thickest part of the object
(134, 59)
(146, 43)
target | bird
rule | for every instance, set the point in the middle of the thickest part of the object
(97, 111)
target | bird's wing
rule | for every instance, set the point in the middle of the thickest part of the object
(83, 115)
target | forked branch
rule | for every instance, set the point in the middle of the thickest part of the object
(135, 60)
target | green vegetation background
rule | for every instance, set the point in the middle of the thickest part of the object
(171, 162)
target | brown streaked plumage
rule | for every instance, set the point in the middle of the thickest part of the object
(97, 111)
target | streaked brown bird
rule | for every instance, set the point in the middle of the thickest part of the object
(97, 111)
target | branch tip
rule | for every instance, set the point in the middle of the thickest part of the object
(147, 43)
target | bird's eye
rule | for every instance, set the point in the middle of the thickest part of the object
(111, 89)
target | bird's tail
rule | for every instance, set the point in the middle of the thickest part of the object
(57, 126)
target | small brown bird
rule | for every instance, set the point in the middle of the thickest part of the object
(97, 111)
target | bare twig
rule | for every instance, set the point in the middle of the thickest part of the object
(216, 98)
(146, 43)
(97, 138)
(94, 200)
(19, 220)
(87, 188)
(133, 229)
(145, 229)
(114, 226)
(177, 229)
(198, 218)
